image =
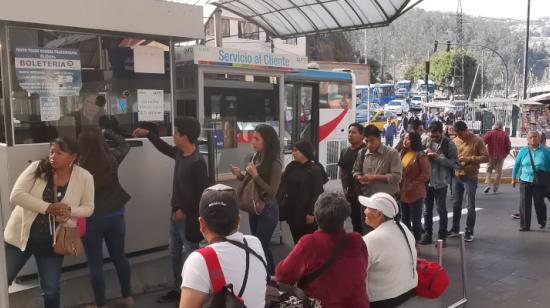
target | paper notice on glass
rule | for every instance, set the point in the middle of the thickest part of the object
(150, 105)
(148, 60)
(50, 109)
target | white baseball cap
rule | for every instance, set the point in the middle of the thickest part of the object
(382, 202)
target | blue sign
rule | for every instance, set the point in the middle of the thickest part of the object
(219, 138)
(121, 107)
(48, 71)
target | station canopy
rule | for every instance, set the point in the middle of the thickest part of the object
(293, 18)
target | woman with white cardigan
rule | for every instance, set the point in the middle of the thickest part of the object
(31, 227)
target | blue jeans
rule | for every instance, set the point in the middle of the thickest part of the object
(48, 262)
(468, 186)
(179, 248)
(262, 226)
(112, 230)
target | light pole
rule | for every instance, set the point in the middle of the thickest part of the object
(526, 52)
(501, 58)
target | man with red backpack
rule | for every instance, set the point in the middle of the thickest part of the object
(232, 268)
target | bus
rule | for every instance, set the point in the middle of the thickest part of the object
(403, 87)
(379, 93)
(421, 86)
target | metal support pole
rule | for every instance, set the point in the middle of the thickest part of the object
(218, 31)
(464, 298)
(440, 252)
(526, 52)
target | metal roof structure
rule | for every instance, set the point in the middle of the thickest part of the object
(293, 18)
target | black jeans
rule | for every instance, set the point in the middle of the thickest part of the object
(356, 215)
(528, 194)
(438, 196)
(412, 213)
(299, 230)
(49, 265)
(112, 230)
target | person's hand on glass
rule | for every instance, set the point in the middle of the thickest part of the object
(236, 171)
(140, 133)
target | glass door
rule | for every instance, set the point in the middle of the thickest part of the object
(301, 114)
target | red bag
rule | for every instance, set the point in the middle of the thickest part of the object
(81, 225)
(433, 279)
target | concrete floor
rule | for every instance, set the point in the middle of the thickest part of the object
(505, 268)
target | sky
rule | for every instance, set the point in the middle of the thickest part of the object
(516, 9)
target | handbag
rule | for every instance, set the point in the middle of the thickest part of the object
(251, 198)
(542, 178)
(67, 240)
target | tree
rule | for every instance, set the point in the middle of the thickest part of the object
(442, 66)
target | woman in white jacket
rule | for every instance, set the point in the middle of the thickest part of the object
(31, 227)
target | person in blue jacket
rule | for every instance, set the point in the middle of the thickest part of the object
(533, 157)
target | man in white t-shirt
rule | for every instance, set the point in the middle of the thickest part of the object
(392, 277)
(219, 220)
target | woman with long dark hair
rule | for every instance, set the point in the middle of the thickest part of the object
(301, 184)
(32, 227)
(416, 172)
(265, 170)
(107, 223)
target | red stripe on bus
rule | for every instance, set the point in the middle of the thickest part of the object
(326, 129)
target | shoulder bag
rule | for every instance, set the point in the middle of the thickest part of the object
(542, 178)
(67, 239)
(251, 200)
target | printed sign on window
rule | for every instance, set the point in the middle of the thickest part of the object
(50, 109)
(150, 105)
(48, 71)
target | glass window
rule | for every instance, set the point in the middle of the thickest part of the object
(335, 95)
(233, 107)
(291, 41)
(210, 27)
(65, 82)
(2, 124)
(249, 30)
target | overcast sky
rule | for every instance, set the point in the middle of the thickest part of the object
(491, 8)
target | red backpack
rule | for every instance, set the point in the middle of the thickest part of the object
(433, 279)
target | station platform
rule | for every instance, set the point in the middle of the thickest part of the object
(505, 267)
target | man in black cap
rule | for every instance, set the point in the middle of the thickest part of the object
(219, 223)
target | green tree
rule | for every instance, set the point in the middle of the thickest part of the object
(442, 70)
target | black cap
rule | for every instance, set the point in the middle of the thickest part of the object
(219, 206)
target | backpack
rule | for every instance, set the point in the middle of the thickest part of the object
(433, 279)
(223, 294)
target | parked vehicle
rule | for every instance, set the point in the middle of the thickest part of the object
(398, 106)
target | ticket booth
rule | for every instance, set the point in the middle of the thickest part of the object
(67, 65)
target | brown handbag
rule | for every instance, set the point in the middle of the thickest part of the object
(67, 239)
(251, 200)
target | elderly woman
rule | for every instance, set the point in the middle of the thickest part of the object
(392, 277)
(30, 230)
(342, 283)
(534, 157)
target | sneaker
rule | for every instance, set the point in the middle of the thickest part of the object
(426, 239)
(486, 189)
(469, 237)
(170, 296)
(515, 216)
(453, 233)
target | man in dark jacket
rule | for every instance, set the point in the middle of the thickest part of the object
(190, 180)
(349, 185)
(443, 158)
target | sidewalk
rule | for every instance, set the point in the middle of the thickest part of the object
(505, 268)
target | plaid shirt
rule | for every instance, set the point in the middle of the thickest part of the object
(498, 144)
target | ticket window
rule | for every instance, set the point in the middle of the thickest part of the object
(64, 82)
(234, 106)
